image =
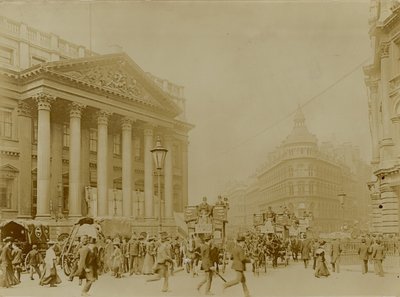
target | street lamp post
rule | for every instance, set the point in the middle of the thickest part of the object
(159, 154)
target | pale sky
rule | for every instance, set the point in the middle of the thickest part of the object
(245, 66)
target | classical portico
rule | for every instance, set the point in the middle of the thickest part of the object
(108, 113)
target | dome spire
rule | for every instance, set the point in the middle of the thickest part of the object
(299, 119)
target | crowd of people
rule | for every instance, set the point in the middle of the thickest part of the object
(260, 247)
(158, 257)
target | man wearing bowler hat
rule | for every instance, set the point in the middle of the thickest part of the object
(206, 264)
(162, 259)
(239, 265)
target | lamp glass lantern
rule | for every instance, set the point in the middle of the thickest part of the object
(159, 152)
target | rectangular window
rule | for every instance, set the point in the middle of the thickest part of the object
(65, 135)
(93, 140)
(6, 55)
(36, 60)
(3, 197)
(5, 123)
(117, 144)
(34, 130)
(137, 149)
(5, 192)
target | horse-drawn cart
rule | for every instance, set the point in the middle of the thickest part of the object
(27, 233)
(85, 226)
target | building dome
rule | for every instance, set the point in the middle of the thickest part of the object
(300, 133)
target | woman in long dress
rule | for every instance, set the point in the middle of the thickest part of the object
(117, 259)
(50, 276)
(7, 277)
(321, 269)
(148, 262)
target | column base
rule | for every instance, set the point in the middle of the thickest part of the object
(43, 217)
(24, 217)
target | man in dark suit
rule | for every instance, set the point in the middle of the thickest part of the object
(363, 254)
(239, 265)
(378, 255)
(336, 250)
(86, 266)
(163, 257)
(133, 255)
(206, 264)
(305, 251)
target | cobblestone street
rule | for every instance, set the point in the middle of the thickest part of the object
(283, 281)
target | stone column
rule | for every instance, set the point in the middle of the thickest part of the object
(148, 173)
(386, 143)
(185, 172)
(44, 101)
(390, 209)
(396, 128)
(85, 167)
(75, 182)
(102, 160)
(25, 160)
(56, 165)
(373, 120)
(168, 171)
(126, 167)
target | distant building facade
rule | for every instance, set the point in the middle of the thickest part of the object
(76, 129)
(382, 78)
(307, 177)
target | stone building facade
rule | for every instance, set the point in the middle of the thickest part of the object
(76, 129)
(305, 176)
(382, 78)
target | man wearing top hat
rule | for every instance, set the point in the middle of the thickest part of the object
(133, 249)
(206, 264)
(163, 257)
(239, 265)
(364, 255)
(87, 265)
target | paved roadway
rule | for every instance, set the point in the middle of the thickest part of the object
(283, 281)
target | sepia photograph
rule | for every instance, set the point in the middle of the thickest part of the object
(195, 148)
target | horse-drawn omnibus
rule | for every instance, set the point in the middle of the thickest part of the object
(209, 220)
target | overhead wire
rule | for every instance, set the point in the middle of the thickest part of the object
(287, 116)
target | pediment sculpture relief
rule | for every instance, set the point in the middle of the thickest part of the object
(110, 77)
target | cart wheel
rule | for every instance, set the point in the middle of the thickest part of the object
(66, 265)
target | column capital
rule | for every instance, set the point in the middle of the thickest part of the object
(103, 116)
(44, 100)
(384, 49)
(75, 110)
(24, 109)
(148, 130)
(126, 123)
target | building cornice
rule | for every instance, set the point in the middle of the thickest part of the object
(9, 153)
(387, 171)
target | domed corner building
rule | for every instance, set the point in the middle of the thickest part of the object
(307, 178)
(76, 130)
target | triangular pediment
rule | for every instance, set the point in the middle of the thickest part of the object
(9, 168)
(114, 74)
